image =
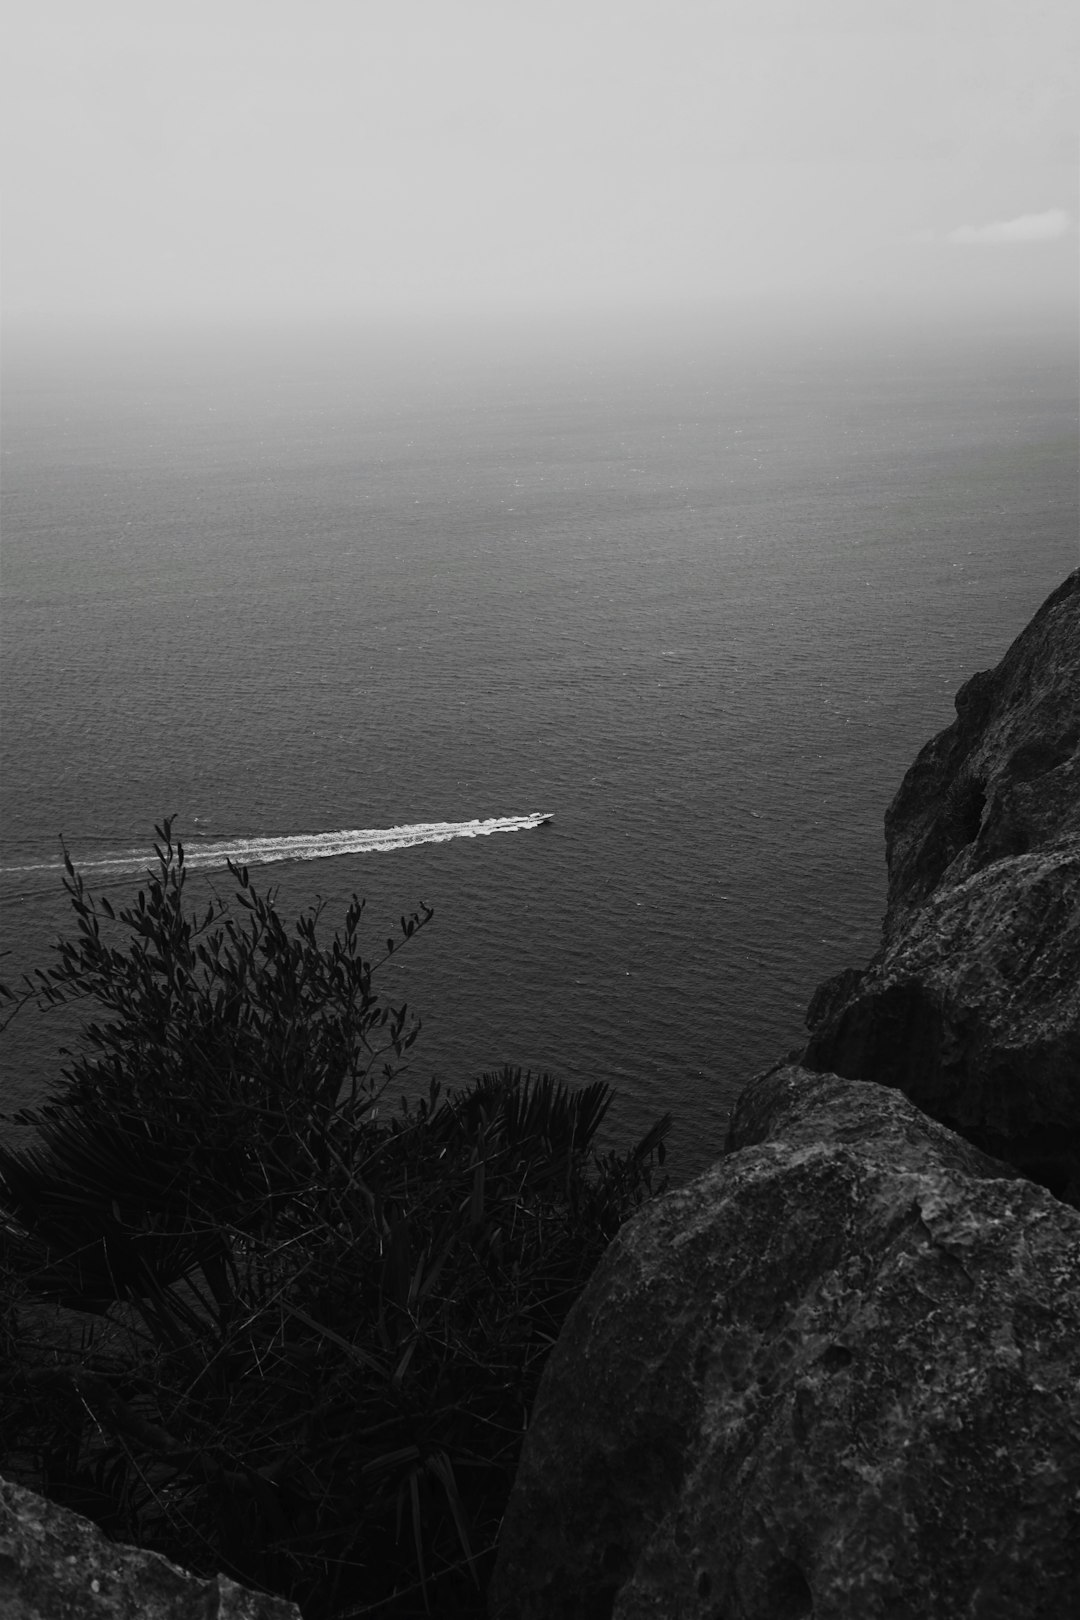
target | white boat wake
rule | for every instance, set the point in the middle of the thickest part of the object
(200, 855)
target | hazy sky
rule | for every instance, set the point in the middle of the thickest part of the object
(304, 156)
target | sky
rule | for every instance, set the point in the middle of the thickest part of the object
(315, 157)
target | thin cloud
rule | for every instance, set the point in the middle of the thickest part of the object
(1048, 227)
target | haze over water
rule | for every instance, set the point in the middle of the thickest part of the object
(701, 589)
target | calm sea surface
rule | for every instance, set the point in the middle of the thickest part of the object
(701, 594)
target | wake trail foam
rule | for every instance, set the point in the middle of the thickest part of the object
(295, 847)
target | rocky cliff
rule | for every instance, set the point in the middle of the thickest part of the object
(839, 1375)
(972, 1006)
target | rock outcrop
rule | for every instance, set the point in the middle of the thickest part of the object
(837, 1376)
(972, 1006)
(55, 1565)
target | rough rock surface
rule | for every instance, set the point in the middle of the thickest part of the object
(838, 1376)
(972, 1007)
(55, 1565)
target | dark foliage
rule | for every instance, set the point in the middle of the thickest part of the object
(292, 1334)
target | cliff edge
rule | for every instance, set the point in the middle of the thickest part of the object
(838, 1376)
(972, 1005)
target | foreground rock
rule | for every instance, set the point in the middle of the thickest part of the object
(55, 1565)
(973, 1005)
(837, 1376)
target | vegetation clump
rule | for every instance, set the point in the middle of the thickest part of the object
(255, 1318)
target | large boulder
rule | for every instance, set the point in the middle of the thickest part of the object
(55, 1565)
(972, 1006)
(837, 1376)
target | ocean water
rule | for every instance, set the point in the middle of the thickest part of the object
(699, 593)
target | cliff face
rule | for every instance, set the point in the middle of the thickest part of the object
(839, 1375)
(972, 1007)
(1004, 778)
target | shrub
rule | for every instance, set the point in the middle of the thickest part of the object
(257, 1319)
